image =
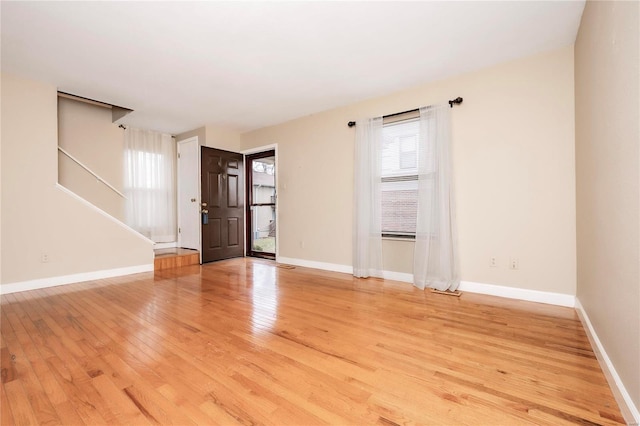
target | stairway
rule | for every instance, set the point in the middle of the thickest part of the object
(175, 258)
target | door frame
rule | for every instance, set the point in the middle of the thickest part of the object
(189, 140)
(263, 148)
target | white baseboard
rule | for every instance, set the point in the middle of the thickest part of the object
(547, 297)
(629, 411)
(398, 276)
(472, 287)
(347, 269)
(158, 246)
(74, 278)
(335, 267)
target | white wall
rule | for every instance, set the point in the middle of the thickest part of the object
(514, 171)
(38, 217)
(607, 74)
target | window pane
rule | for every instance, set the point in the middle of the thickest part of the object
(408, 152)
(399, 207)
(263, 238)
(400, 148)
(264, 181)
(149, 170)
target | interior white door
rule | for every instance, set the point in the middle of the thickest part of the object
(189, 194)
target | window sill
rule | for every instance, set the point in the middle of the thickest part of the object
(407, 240)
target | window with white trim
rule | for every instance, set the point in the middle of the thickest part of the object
(400, 178)
(149, 184)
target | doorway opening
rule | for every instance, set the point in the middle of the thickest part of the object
(261, 204)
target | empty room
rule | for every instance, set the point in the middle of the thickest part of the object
(319, 212)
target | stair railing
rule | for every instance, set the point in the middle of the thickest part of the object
(78, 162)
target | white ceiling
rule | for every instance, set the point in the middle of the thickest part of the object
(246, 65)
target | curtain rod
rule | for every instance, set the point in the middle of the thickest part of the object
(122, 126)
(457, 100)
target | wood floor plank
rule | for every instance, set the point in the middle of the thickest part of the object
(245, 342)
(187, 405)
(125, 411)
(68, 414)
(155, 407)
(18, 403)
(43, 390)
(6, 417)
(38, 399)
(71, 380)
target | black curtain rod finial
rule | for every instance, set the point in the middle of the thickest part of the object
(122, 127)
(457, 100)
(351, 123)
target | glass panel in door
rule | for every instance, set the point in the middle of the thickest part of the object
(264, 229)
(261, 183)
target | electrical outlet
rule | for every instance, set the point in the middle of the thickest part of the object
(513, 263)
(493, 262)
(44, 258)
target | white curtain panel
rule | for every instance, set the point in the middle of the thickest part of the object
(367, 228)
(150, 184)
(435, 262)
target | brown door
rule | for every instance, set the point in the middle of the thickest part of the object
(222, 204)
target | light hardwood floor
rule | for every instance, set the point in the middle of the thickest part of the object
(245, 342)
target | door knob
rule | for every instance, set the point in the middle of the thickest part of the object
(204, 204)
(204, 211)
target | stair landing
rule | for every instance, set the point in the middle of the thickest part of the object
(175, 258)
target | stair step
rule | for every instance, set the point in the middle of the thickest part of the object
(175, 258)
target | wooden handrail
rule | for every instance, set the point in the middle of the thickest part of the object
(78, 162)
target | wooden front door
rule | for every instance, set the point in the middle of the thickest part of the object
(222, 201)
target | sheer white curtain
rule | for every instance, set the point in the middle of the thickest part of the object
(150, 183)
(367, 228)
(435, 262)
